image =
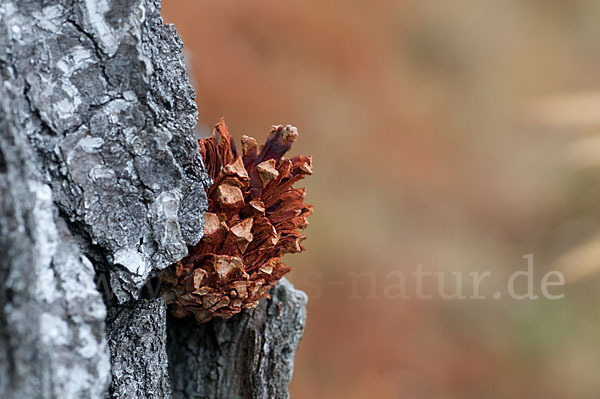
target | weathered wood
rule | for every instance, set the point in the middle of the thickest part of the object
(250, 355)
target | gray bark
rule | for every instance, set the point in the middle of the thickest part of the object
(52, 342)
(110, 113)
(248, 356)
(100, 177)
(137, 336)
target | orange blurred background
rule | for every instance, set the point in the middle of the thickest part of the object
(459, 135)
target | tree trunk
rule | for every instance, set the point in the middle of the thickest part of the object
(101, 181)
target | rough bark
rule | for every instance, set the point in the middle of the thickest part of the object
(52, 342)
(100, 175)
(248, 356)
(110, 113)
(137, 337)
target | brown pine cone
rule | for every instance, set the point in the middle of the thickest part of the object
(254, 216)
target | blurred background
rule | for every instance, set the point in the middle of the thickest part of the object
(459, 135)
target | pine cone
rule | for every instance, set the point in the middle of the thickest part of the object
(254, 216)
